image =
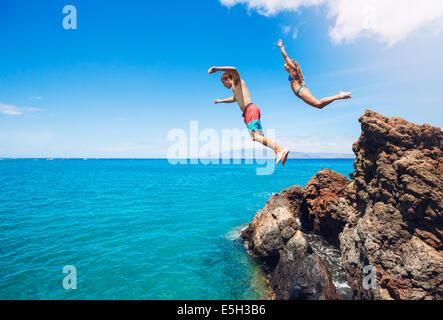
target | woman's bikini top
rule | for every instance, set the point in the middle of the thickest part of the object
(298, 91)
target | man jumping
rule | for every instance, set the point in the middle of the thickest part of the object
(251, 113)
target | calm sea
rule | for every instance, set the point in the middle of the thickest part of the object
(134, 229)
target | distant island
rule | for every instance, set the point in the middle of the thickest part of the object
(236, 154)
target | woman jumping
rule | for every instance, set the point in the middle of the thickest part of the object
(298, 83)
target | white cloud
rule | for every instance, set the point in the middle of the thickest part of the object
(285, 29)
(15, 111)
(295, 34)
(389, 21)
(9, 110)
(272, 7)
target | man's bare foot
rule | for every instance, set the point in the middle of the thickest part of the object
(282, 155)
(344, 95)
(285, 157)
(279, 157)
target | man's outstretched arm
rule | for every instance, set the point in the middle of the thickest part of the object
(285, 55)
(229, 100)
(231, 70)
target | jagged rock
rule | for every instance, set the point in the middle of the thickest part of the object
(324, 214)
(271, 229)
(273, 236)
(394, 209)
(301, 274)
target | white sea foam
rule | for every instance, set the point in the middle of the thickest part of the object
(235, 233)
(341, 285)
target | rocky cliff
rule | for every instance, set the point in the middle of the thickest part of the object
(388, 219)
(394, 210)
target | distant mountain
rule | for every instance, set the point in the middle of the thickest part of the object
(236, 154)
(301, 155)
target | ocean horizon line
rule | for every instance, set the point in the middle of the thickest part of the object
(221, 156)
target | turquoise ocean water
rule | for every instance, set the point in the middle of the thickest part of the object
(134, 229)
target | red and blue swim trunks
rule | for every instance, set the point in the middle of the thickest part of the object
(252, 118)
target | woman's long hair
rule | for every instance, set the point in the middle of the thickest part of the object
(297, 72)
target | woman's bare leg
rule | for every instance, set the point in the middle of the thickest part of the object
(307, 97)
(325, 101)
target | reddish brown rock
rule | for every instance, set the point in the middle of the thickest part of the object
(394, 209)
(324, 214)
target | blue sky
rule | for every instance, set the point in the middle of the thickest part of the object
(134, 70)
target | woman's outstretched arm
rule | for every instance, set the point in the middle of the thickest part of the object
(307, 97)
(285, 55)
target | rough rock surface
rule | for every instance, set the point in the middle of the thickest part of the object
(295, 271)
(325, 201)
(394, 210)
